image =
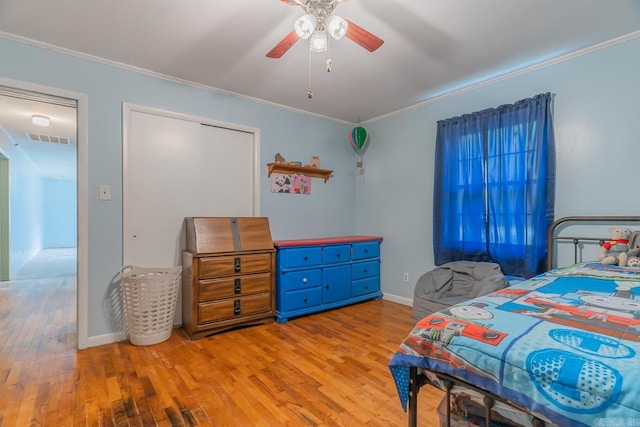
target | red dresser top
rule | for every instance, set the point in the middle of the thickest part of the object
(325, 240)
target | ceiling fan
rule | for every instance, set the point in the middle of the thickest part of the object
(317, 22)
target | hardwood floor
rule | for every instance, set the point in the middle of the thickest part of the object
(327, 369)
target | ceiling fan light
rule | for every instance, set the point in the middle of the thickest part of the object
(318, 41)
(305, 26)
(336, 26)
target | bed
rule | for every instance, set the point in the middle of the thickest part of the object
(562, 348)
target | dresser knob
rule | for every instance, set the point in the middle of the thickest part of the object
(366, 271)
(326, 287)
(304, 280)
(305, 258)
(305, 300)
(338, 255)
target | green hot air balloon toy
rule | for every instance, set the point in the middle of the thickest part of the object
(359, 140)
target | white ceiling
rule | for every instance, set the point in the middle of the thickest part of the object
(51, 149)
(431, 47)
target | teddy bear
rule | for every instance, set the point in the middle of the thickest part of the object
(633, 254)
(615, 250)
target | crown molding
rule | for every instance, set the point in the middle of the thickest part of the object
(447, 93)
(144, 71)
(510, 74)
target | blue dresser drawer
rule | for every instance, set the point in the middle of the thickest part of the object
(365, 286)
(334, 254)
(300, 257)
(301, 279)
(366, 250)
(296, 300)
(362, 270)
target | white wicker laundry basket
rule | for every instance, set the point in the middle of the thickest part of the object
(149, 300)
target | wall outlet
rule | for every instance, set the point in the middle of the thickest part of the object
(405, 277)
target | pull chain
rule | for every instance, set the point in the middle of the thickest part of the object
(309, 91)
(328, 54)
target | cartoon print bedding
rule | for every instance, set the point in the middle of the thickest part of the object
(565, 344)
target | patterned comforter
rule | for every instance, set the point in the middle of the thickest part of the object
(565, 344)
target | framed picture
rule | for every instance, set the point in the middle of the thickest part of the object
(301, 184)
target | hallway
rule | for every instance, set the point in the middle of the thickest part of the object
(37, 332)
(49, 263)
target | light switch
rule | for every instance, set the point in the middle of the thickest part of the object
(105, 192)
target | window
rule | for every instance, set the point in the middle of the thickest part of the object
(495, 186)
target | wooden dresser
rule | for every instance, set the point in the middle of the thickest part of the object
(228, 274)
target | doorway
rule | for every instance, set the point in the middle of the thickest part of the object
(4, 218)
(46, 202)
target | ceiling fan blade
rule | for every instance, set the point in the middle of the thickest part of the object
(363, 37)
(284, 45)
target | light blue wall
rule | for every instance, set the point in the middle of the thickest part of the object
(596, 113)
(25, 206)
(60, 213)
(328, 211)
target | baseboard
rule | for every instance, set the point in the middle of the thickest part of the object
(113, 337)
(398, 299)
(103, 339)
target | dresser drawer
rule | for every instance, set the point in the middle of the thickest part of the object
(361, 270)
(366, 250)
(304, 298)
(334, 254)
(301, 279)
(229, 286)
(228, 265)
(365, 286)
(234, 307)
(300, 257)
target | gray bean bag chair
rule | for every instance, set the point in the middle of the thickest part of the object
(455, 282)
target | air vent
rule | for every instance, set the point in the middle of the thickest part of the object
(47, 138)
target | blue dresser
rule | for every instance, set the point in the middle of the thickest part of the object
(314, 275)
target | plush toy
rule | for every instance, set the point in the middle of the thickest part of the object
(615, 250)
(633, 253)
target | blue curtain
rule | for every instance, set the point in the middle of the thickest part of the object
(495, 186)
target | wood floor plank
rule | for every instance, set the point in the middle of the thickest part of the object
(326, 369)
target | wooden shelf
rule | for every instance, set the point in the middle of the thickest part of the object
(287, 168)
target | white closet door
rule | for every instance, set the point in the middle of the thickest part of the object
(227, 160)
(175, 168)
